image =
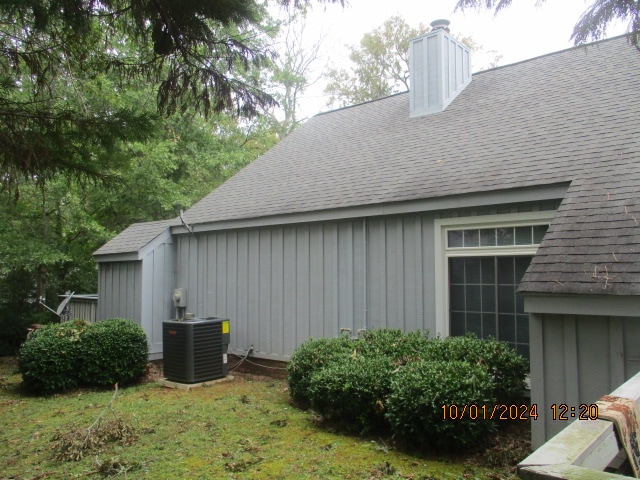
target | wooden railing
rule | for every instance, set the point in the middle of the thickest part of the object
(585, 449)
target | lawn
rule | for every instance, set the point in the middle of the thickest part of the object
(245, 428)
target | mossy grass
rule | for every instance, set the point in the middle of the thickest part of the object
(242, 429)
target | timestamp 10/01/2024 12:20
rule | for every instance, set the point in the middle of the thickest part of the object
(560, 411)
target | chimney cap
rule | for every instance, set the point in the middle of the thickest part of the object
(441, 24)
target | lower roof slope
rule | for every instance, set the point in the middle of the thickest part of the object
(135, 237)
(593, 244)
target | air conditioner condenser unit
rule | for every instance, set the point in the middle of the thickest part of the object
(195, 350)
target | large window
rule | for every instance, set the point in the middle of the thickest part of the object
(481, 262)
(483, 299)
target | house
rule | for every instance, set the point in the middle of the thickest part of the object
(505, 204)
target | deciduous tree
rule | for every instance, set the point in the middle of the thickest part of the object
(380, 64)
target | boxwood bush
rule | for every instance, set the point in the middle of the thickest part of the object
(399, 347)
(400, 381)
(308, 359)
(48, 359)
(113, 351)
(506, 367)
(421, 390)
(63, 356)
(350, 391)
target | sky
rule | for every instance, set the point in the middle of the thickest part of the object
(519, 32)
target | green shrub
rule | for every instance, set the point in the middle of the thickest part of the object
(410, 377)
(113, 351)
(399, 347)
(351, 392)
(309, 358)
(62, 356)
(417, 396)
(506, 367)
(48, 359)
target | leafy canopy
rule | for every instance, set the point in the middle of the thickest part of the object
(195, 53)
(592, 24)
(380, 64)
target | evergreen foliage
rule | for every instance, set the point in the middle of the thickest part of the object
(394, 382)
(196, 54)
(507, 369)
(420, 390)
(112, 351)
(60, 357)
(351, 391)
(48, 359)
(311, 357)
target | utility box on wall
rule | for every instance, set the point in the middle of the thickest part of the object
(195, 350)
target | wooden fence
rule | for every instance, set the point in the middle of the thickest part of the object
(585, 449)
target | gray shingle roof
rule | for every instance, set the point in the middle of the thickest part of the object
(570, 116)
(593, 245)
(533, 123)
(135, 237)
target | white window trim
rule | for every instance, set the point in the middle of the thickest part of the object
(443, 225)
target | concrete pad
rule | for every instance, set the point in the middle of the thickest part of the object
(189, 386)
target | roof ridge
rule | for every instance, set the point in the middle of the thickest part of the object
(480, 72)
(575, 47)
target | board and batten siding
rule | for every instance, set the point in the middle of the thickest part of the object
(576, 359)
(141, 291)
(281, 285)
(120, 287)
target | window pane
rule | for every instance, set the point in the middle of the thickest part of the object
(484, 298)
(505, 271)
(488, 270)
(474, 302)
(489, 325)
(523, 350)
(454, 238)
(488, 298)
(519, 303)
(456, 270)
(474, 324)
(456, 298)
(521, 264)
(507, 328)
(471, 238)
(457, 326)
(522, 329)
(504, 236)
(523, 235)
(538, 233)
(488, 237)
(506, 299)
(472, 270)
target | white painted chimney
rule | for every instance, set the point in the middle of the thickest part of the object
(440, 70)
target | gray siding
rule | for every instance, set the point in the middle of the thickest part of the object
(140, 291)
(401, 271)
(157, 289)
(577, 359)
(282, 285)
(120, 290)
